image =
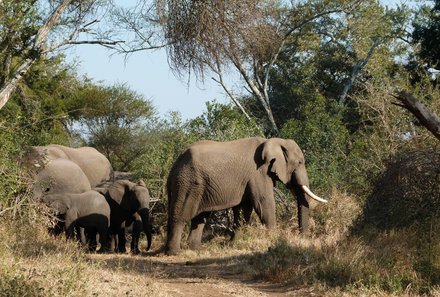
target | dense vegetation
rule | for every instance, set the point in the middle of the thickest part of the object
(329, 88)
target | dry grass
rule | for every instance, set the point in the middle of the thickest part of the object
(37, 264)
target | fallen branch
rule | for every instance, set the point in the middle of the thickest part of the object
(427, 118)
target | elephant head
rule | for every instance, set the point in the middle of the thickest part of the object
(55, 202)
(60, 176)
(285, 162)
(133, 198)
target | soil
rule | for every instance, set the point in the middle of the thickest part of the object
(156, 274)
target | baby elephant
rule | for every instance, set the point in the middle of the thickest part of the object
(89, 210)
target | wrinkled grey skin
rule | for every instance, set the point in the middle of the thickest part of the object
(129, 203)
(94, 165)
(60, 176)
(212, 176)
(89, 210)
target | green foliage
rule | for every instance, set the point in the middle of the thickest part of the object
(167, 139)
(18, 26)
(39, 108)
(222, 123)
(322, 136)
(112, 119)
(427, 34)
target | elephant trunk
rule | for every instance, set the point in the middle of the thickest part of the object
(145, 216)
(303, 208)
(300, 188)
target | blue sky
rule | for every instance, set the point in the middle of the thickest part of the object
(147, 73)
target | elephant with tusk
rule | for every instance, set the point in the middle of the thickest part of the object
(211, 176)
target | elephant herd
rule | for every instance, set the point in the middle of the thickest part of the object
(78, 185)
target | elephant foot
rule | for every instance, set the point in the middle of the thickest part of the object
(103, 251)
(135, 251)
(195, 246)
(172, 252)
(91, 249)
(121, 250)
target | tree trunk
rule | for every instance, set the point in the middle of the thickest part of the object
(357, 68)
(427, 118)
(10, 84)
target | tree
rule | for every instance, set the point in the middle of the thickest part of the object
(427, 33)
(32, 29)
(211, 37)
(113, 120)
(222, 123)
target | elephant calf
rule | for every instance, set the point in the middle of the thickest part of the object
(129, 203)
(89, 210)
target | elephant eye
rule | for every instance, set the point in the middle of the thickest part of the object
(47, 190)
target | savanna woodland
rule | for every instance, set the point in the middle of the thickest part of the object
(354, 83)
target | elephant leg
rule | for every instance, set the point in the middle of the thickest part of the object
(121, 241)
(242, 213)
(174, 235)
(197, 225)
(90, 234)
(263, 201)
(70, 232)
(265, 209)
(135, 235)
(113, 241)
(104, 237)
(69, 224)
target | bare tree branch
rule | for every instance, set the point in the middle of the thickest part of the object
(357, 68)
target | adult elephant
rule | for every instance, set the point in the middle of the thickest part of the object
(88, 210)
(94, 165)
(212, 176)
(129, 203)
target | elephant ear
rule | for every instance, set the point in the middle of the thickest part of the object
(118, 189)
(142, 195)
(274, 154)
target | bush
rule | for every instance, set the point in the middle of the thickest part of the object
(407, 193)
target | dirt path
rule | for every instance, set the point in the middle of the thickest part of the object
(159, 275)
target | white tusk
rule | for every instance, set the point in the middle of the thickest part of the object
(310, 193)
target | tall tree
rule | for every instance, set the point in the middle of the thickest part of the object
(112, 119)
(33, 29)
(212, 37)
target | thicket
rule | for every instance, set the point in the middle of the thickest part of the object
(371, 158)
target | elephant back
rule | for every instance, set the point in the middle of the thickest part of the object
(95, 165)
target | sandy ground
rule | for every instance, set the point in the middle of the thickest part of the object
(160, 275)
